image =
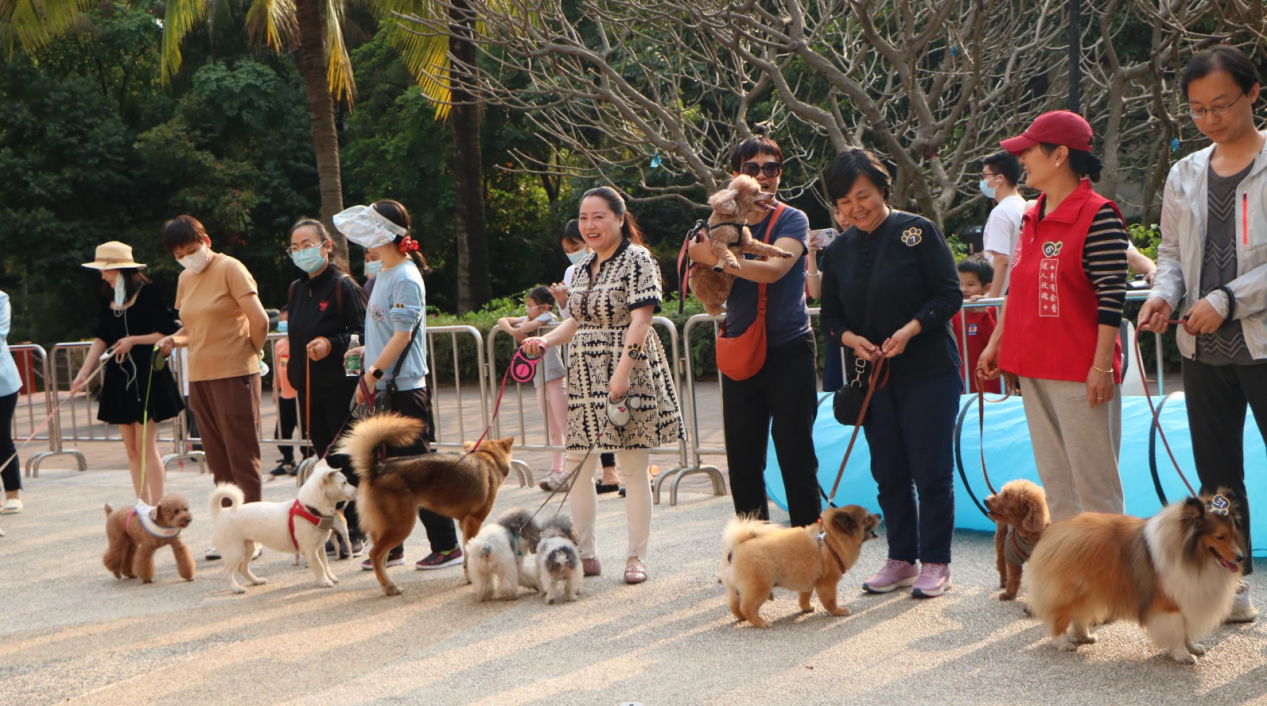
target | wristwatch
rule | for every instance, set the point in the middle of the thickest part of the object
(376, 373)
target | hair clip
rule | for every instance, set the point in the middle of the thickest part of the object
(1218, 505)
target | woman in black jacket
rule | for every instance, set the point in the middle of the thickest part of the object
(326, 308)
(890, 288)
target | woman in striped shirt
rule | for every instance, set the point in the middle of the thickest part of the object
(1058, 332)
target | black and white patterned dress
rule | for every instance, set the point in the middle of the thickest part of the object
(601, 306)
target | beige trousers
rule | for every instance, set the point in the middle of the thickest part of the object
(584, 501)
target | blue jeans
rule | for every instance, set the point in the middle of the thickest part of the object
(910, 429)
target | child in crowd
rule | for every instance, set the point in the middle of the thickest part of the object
(975, 276)
(287, 405)
(551, 378)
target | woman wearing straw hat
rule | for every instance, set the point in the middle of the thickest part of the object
(133, 318)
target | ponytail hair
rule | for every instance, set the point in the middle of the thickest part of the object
(629, 230)
(336, 260)
(395, 212)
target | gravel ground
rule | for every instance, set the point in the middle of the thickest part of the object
(69, 632)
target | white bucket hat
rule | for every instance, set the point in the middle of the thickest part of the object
(113, 256)
(366, 227)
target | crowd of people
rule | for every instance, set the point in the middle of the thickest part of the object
(889, 288)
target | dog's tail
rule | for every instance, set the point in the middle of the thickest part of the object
(226, 491)
(369, 434)
(741, 529)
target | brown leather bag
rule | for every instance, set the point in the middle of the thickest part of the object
(743, 356)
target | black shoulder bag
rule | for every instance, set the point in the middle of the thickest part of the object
(378, 403)
(849, 402)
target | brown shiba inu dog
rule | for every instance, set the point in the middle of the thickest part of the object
(461, 486)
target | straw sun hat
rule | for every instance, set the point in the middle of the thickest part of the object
(113, 256)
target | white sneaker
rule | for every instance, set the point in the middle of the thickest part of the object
(1243, 610)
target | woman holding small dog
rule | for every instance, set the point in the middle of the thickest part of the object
(621, 395)
(1058, 329)
(133, 318)
(889, 290)
(396, 349)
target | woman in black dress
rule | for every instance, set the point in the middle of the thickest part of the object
(134, 317)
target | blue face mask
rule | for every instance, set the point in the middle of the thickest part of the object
(987, 190)
(373, 268)
(281, 326)
(576, 257)
(309, 260)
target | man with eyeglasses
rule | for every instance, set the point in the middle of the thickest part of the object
(1000, 179)
(1212, 272)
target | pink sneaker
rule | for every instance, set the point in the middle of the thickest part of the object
(894, 574)
(934, 580)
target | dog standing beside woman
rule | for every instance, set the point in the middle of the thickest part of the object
(613, 294)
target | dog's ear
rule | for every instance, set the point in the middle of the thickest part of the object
(508, 442)
(1036, 517)
(845, 521)
(467, 446)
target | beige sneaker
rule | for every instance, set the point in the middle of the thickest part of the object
(12, 506)
(1243, 610)
(553, 482)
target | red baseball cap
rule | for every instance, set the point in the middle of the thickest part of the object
(1059, 127)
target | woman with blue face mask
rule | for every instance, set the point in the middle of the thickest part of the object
(326, 308)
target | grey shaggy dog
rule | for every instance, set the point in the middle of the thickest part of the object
(558, 561)
(496, 555)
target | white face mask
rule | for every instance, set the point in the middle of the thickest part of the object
(120, 291)
(197, 262)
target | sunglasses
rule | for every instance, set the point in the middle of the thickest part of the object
(769, 169)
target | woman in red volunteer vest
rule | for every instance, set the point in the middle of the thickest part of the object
(1058, 331)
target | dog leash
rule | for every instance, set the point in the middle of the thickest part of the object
(522, 368)
(49, 418)
(157, 362)
(1148, 395)
(880, 365)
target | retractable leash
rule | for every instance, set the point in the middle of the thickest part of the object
(618, 416)
(522, 369)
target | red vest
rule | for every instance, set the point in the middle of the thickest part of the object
(980, 327)
(1052, 322)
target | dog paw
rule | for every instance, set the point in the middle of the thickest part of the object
(839, 611)
(326, 584)
(807, 609)
(1083, 639)
(1063, 644)
(786, 256)
(1007, 596)
(334, 579)
(258, 581)
(759, 623)
(1184, 658)
(239, 590)
(549, 601)
(148, 581)
(1197, 649)
(392, 590)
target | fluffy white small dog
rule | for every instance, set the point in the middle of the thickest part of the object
(239, 527)
(340, 534)
(495, 557)
(558, 563)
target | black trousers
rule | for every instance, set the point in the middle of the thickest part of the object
(1217, 396)
(287, 420)
(330, 413)
(442, 532)
(779, 402)
(11, 474)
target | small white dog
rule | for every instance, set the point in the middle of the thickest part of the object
(340, 534)
(558, 561)
(496, 556)
(303, 524)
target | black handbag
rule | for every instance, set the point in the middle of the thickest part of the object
(849, 403)
(380, 402)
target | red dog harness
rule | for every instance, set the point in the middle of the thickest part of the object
(316, 519)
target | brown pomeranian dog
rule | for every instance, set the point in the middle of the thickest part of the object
(135, 536)
(1174, 574)
(1020, 509)
(758, 556)
(461, 486)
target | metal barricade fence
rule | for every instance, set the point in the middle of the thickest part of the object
(544, 445)
(35, 408)
(452, 425)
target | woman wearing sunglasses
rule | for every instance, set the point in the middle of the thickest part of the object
(784, 391)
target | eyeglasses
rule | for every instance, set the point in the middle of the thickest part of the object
(1214, 109)
(292, 250)
(769, 169)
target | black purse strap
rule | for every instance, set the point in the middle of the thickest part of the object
(400, 359)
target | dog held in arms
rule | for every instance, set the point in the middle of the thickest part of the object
(496, 563)
(758, 556)
(301, 525)
(463, 487)
(134, 539)
(1020, 509)
(1174, 574)
(730, 238)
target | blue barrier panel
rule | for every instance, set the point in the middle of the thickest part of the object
(1010, 456)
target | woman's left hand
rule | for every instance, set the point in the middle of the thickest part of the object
(895, 345)
(1099, 387)
(1204, 318)
(618, 387)
(122, 348)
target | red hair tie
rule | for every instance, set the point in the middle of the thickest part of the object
(407, 245)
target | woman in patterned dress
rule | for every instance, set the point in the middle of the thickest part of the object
(615, 292)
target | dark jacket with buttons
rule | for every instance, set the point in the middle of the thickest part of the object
(916, 278)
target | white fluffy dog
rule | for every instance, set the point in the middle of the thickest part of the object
(495, 557)
(239, 527)
(558, 561)
(339, 532)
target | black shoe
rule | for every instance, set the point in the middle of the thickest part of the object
(339, 552)
(622, 492)
(358, 547)
(283, 469)
(601, 488)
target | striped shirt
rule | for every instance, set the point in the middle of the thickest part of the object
(1104, 261)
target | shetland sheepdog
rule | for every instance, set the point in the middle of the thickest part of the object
(1174, 574)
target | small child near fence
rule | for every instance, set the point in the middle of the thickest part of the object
(287, 403)
(551, 378)
(975, 276)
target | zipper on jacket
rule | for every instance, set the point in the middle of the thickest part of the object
(1245, 219)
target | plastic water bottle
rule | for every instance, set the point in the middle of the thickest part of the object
(352, 364)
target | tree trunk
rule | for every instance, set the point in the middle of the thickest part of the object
(325, 139)
(464, 120)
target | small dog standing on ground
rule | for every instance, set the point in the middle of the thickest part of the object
(339, 534)
(463, 487)
(1174, 574)
(557, 565)
(497, 555)
(300, 525)
(758, 556)
(730, 238)
(135, 533)
(1020, 509)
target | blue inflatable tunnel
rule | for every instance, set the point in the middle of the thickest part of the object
(1009, 456)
